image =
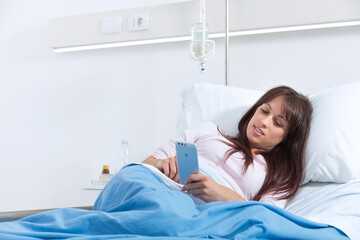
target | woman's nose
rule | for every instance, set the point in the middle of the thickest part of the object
(266, 120)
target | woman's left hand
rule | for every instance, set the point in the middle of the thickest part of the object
(208, 190)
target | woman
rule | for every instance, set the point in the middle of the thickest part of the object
(264, 162)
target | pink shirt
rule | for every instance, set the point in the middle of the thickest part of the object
(211, 150)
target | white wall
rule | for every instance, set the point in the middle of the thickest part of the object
(64, 115)
(305, 60)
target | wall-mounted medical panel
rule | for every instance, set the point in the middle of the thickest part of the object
(163, 21)
(260, 14)
(174, 20)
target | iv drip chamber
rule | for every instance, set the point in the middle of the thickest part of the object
(201, 51)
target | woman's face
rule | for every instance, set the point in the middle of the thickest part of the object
(268, 126)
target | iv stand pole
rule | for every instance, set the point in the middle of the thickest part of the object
(226, 42)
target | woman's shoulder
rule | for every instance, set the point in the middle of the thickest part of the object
(260, 160)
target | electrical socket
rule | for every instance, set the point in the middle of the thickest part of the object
(138, 22)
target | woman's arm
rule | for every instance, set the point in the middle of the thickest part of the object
(168, 166)
(205, 188)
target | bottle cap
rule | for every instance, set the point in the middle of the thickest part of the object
(105, 166)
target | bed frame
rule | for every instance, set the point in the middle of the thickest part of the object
(15, 215)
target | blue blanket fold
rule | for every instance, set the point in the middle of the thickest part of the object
(136, 204)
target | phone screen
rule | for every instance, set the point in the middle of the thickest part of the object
(187, 160)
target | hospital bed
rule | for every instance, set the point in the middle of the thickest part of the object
(136, 204)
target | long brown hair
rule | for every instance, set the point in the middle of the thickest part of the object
(285, 160)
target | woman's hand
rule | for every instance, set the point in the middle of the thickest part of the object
(168, 166)
(205, 188)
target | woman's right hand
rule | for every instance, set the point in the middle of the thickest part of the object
(168, 166)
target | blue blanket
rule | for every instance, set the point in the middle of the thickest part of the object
(136, 204)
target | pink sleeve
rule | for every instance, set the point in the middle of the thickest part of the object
(168, 150)
(272, 199)
(190, 135)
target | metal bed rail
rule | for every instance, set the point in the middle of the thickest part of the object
(15, 215)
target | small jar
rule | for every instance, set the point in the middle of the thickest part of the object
(105, 169)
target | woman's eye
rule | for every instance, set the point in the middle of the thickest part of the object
(279, 123)
(264, 111)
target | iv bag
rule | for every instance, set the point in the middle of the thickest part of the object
(196, 44)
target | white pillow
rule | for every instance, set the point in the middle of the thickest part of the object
(333, 150)
(219, 104)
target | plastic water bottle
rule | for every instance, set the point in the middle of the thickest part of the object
(124, 153)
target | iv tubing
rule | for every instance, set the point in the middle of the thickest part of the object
(227, 43)
(203, 28)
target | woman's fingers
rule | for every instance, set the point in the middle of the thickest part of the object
(169, 168)
(166, 167)
(177, 179)
(194, 181)
(173, 167)
(194, 187)
(195, 177)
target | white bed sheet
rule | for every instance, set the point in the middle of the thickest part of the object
(331, 203)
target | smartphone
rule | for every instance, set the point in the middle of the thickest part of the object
(187, 160)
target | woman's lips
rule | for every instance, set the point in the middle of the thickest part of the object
(257, 131)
